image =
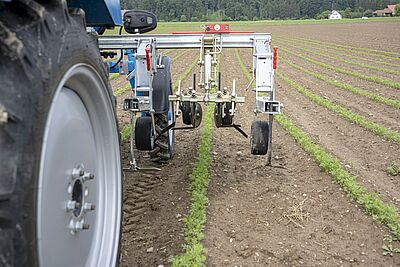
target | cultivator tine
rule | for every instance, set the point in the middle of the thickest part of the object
(269, 155)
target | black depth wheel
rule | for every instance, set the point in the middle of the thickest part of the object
(60, 168)
(186, 113)
(227, 119)
(218, 115)
(144, 134)
(259, 137)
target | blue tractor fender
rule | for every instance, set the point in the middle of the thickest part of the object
(106, 13)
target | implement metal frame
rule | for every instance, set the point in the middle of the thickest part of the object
(145, 47)
(210, 45)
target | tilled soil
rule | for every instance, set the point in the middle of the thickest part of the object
(252, 207)
(373, 35)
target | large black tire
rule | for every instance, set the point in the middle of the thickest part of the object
(39, 43)
(259, 139)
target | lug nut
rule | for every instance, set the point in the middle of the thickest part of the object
(77, 172)
(88, 176)
(72, 205)
(89, 207)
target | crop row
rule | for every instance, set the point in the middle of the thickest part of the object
(200, 177)
(353, 50)
(374, 79)
(342, 59)
(385, 213)
(344, 54)
(343, 112)
(342, 85)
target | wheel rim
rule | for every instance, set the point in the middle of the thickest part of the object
(79, 189)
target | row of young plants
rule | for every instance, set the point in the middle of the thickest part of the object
(355, 50)
(313, 51)
(385, 213)
(343, 112)
(195, 220)
(374, 79)
(372, 59)
(345, 86)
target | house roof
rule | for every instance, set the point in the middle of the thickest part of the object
(391, 7)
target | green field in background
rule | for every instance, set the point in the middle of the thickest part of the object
(168, 27)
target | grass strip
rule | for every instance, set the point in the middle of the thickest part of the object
(340, 59)
(378, 80)
(385, 213)
(334, 52)
(343, 112)
(356, 90)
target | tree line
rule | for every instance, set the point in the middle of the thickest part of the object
(226, 10)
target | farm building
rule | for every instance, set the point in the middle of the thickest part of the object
(390, 10)
(335, 15)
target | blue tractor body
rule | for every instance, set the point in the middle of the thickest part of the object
(100, 12)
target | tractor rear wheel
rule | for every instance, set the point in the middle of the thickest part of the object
(60, 168)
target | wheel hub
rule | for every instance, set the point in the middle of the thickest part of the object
(77, 205)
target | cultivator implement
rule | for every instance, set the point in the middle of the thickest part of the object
(153, 96)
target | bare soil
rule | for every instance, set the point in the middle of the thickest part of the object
(374, 35)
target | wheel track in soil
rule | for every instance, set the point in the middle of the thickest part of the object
(150, 198)
(245, 222)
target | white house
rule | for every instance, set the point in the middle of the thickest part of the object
(335, 15)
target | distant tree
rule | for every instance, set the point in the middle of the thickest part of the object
(323, 15)
(397, 10)
(183, 18)
(368, 13)
(194, 19)
(255, 18)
